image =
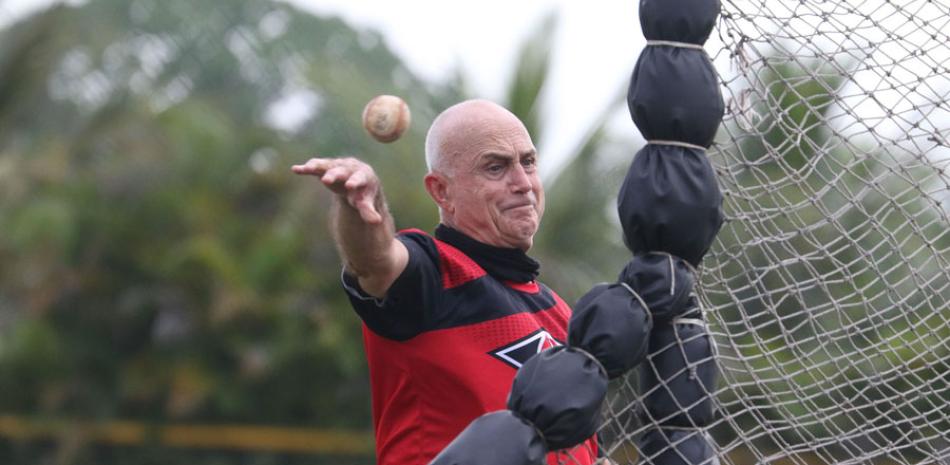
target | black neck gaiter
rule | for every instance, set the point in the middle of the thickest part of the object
(501, 263)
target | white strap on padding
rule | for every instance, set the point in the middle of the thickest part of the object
(600, 366)
(676, 143)
(635, 295)
(673, 43)
(689, 321)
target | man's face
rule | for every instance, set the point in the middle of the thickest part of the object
(494, 192)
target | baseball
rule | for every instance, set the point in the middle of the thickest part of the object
(386, 117)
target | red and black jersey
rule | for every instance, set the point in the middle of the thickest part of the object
(443, 347)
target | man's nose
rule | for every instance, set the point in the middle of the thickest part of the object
(520, 180)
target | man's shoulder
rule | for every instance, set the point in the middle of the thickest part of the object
(421, 246)
(455, 266)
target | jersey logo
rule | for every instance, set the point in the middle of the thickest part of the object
(518, 352)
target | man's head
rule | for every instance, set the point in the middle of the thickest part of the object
(483, 174)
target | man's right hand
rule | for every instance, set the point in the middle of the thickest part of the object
(351, 179)
(362, 227)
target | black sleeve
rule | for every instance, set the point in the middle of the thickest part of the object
(407, 307)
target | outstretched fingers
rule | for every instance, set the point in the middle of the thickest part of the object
(313, 167)
(357, 180)
(350, 178)
(361, 194)
(366, 204)
(336, 177)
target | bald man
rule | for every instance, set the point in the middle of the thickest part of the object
(448, 319)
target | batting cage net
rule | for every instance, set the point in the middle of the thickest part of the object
(827, 291)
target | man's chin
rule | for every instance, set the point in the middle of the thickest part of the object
(522, 235)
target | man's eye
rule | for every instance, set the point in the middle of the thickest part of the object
(496, 168)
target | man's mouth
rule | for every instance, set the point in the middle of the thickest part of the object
(519, 205)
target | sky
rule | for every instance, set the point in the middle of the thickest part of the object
(595, 47)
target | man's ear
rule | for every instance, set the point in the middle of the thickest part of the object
(438, 188)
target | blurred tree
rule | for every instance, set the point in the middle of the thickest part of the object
(159, 262)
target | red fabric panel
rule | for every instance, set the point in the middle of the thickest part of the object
(428, 389)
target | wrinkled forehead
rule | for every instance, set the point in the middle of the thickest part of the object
(467, 136)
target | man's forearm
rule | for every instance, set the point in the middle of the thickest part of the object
(364, 247)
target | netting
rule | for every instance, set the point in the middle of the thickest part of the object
(827, 291)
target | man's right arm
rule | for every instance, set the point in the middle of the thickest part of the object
(362, 227)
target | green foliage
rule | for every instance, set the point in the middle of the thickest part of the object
(159, 261)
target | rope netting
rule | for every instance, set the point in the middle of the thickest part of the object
(827, 291)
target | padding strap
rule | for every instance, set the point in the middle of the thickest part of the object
(676, 143)
(673, 43)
